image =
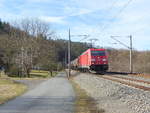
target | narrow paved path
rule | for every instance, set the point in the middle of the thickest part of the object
(55, 95)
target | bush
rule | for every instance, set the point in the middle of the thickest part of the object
(14, 71)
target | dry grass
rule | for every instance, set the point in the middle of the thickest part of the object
(84, 103)
(141, 75)
(10, 90)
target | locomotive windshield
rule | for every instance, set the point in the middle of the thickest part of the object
(98, 53)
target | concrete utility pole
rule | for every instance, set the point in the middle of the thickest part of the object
(69, 52)
(129, 47)
(131, 64)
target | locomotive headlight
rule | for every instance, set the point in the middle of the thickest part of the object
(104, 59)
(92, 60)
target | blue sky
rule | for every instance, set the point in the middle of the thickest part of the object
(98, 18)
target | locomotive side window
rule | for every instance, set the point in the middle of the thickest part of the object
(98, 53)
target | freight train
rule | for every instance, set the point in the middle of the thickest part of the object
(93, 60)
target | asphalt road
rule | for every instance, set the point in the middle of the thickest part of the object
(55, 95)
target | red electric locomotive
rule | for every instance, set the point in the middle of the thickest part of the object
(94, 60)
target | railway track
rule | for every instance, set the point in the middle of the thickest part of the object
(132, 82)
(132, 79)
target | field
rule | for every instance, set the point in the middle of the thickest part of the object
(41, 73)
(10, 89)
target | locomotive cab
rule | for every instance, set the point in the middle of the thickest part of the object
(99, 61)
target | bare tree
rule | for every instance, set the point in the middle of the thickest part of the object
(33, 34)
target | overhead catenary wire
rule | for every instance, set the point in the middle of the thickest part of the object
(105, 26)
(114, 17)
(109, 9)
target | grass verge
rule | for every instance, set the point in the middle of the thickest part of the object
(84, 103)
(10, 90)
(41, 74)
(36, 74)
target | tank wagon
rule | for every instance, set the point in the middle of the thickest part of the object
(93, 60)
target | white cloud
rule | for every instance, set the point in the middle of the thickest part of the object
(93, 4)
(51, 19)
(133, 20)
(78, 11)
(83, 15)
(1, 3)
(82, 7)
(71, 12)
(38, 1)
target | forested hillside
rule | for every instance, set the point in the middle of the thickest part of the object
(119, 60)
(32, 44)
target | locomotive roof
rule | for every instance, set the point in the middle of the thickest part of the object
(91, 49)
(100, 49)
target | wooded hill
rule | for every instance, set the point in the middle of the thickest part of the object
(119, 60)
(31, 43)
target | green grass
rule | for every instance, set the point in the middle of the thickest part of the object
(34, 74)
(10, 90)
(41, 73)
(84, 103)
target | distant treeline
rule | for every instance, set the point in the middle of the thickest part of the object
(119, 61)
(31, 43)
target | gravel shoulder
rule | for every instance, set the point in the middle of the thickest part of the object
(133, 77)
(114, 97)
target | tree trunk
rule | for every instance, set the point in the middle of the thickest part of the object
(51, 73)
(28, 73)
